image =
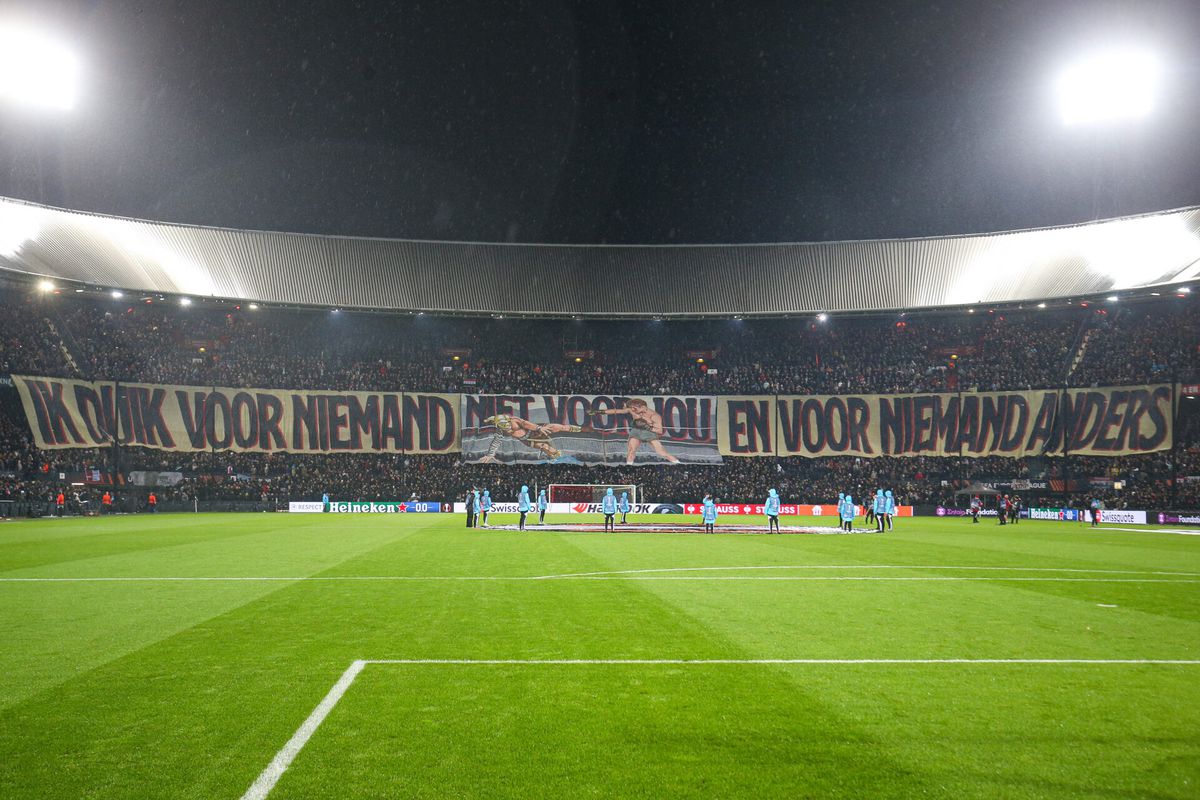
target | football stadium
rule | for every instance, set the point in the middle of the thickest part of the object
(599, 400)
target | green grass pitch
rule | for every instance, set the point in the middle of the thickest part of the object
(152, 688)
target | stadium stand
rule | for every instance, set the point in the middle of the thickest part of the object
(87, 335)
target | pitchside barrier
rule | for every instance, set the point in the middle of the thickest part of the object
(1110, 516)
(724, 509)
(1177, 518)
(785, 510)
(368, 507)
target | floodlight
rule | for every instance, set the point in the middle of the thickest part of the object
(117, 294)
(46, 286)
(1185, 290)
(254, 306)
(1041, 305)
(822, 317)
(36, 70)
(1108, 86)
(1112, 298)
(185, 301)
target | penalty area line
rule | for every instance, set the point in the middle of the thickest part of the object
(269, 777)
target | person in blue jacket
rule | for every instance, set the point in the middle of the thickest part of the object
(889, 508)
(623, 506)
(541, 506)
(879, 506)
(523, 506)
(485, 505)
(848, 513)
(710, 515)
(609, 506)
(771, 509)
(476, 504)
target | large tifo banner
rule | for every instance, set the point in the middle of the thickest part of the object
(70, 413)
(1096, 422)
(598, 429)
(589, 429)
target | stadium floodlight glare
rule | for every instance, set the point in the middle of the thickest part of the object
(46, 286)
(1109, 86)
(185, 301)
(1041, 305)
(254, 306)
(117, 294)
(37, 71)
(1185, 290)
(1112, 298)
(822, 317)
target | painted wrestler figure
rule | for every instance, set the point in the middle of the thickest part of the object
(646, 425)
(530, 434)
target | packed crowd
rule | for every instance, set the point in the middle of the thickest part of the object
(160, 342)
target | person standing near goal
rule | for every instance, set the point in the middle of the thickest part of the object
(541, 506)
(848, 514)
(523, 506)
(485, 505)
(889, 508)
(623, 506)
(710, 515)
(771, 509)
(609, 506)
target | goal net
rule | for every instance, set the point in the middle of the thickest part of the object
(588, 492)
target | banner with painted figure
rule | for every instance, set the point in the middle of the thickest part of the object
(70, 413)
(589, 429)
(1107, 421)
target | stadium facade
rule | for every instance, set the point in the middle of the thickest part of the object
(603, 281)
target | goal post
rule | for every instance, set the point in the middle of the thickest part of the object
(588, 492)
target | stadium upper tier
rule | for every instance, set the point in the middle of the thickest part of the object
(600, 280)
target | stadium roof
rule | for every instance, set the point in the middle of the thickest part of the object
(600, 280)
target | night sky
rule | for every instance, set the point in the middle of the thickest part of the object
(596, 121)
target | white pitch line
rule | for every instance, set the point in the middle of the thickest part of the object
(668, 574)
(619, 578)
(1146, 530)
(868, 566)
(769, 661)
(270, 776)
(875, 579)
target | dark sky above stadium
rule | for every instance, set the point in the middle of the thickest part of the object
(598, 121)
